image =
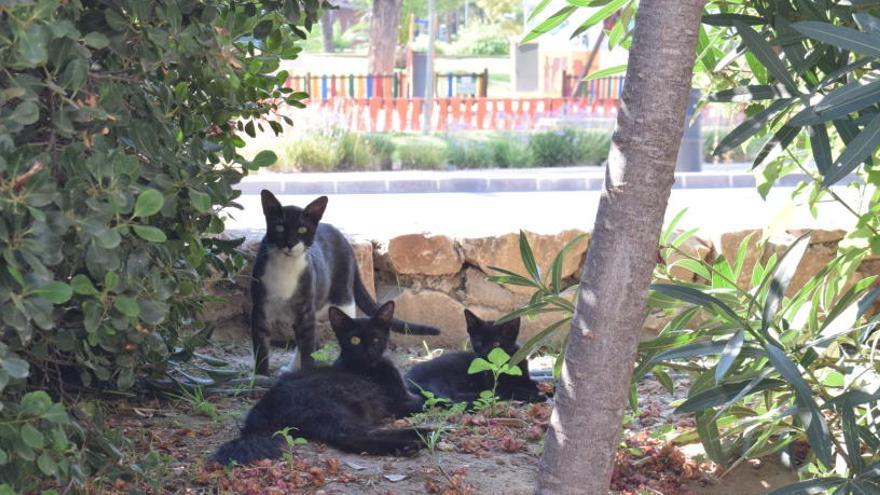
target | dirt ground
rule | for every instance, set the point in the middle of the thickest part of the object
(487, 452)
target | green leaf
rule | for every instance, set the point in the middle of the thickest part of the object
(841, 37)
(752, 93)
(550, 23)
(765, 54)
(511, 370)
(810, 487)
(148, 233)
(82, 285)
(707, 428)
(780, 140)
(96, 40)
(536, 341)
(847, 99)
(32, 44)
(55, 292)
(15, 367)
(559, 261)
(497, 356)
(200, 201)
(479, 365)
(855, 153)
(127, 306)
(4, 458)
(35, 403)
(722, 394)
(32, 437)
(528, 258)
(264, 159)
(47, 464)
(110, 280)
(729, 354)
(538, 9)
(750, 126)
(606, 72)
(75, 74)
(148, 203)
(821, 147)
(25, 113)
(810, 416)
(599, 16)
(698, 349)
(694, 296)
(782, 275)
(729, 20)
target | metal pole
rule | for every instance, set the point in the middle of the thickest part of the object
(466, 3)
(429, 80)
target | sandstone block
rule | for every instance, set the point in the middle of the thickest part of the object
(422, 254)
(363, 254)
(693, 247)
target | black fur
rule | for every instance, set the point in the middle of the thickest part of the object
(341, 405)
(447, 375)
(326, 274)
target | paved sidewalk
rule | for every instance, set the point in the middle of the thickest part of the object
(485, 181)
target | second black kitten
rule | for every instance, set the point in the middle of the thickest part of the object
(447, 375)
(342, 405)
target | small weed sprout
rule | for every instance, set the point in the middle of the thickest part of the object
(499, 364)
(290, 441)
(324, 354)
(195, 398)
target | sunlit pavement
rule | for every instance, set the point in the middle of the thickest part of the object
(382, 216)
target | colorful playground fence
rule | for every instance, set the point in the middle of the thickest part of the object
(601, 88)
(394, 85)
(457, 113)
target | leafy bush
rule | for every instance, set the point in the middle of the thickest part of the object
(470, 153)
(421, 153)
(568, 147)
(311, 153)
(382, 148)
(118, 146)
(771, 370)
(510, 151)
(354, 152)
(479, 39)
(499, 150)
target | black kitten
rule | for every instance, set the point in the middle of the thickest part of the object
(447, 375)
(340, 405)
(303, 266)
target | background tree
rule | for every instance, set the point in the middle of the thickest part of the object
(384, 26)
(592, 393)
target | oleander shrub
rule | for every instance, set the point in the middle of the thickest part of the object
(120, 124)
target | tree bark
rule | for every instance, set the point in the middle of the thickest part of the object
(383, 36)
(327, 30)
(592, 394)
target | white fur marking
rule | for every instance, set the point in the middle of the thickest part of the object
(283, 271)
(350, 309)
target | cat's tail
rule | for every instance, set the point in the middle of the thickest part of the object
(383, 442)
(369, 306)
(248, 448)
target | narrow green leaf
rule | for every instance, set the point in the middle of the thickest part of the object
(692, 266)
(808, 411)
(780, 140)
(697, 349)
(752, 93)
(559, 261)
(528, 258)
(609, 71)
(538, 9)
(536, 341)
(750, 126)
(821, 147)
(666, 235)
(710, 438)
(845, 100)
(841, 37)
(550, 23)
(600, 15)
(765, 54)
(148, 203)
(869, 23)
(694, 296)
(855, 153)
(730, 20)
(816, 486)
(722, 394)
(782, 276)
(729, 354)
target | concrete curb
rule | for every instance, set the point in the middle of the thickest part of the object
(452, 182)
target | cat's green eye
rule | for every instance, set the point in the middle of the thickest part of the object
(302, 230)
(279, 228)
(355, 340)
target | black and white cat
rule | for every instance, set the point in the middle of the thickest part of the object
(341, 405)
(303, 266)
(447, 375)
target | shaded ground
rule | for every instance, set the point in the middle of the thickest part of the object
(487, 452)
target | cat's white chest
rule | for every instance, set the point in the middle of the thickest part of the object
(283, 273)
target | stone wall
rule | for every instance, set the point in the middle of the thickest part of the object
(432, 278)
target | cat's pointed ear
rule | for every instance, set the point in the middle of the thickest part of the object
(271, 205)
(509, 329)
(384, 315)
(339, 321)
(315, 210)
(474, 323)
